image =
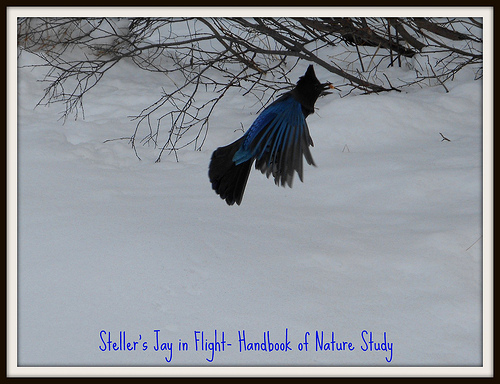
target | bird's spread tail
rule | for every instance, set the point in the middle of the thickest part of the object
(228, 179)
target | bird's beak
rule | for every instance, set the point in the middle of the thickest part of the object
(326, 86)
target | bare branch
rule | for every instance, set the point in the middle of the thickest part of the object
(205, 60)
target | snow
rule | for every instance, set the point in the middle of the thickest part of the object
(380, 237)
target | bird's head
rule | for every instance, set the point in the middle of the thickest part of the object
(309, 88)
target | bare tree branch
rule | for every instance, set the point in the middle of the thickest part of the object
(252, 56)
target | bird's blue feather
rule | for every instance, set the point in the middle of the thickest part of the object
(278, 127)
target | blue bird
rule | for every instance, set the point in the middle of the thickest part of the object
(277, 141)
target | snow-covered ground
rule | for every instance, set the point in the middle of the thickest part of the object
(379, 242)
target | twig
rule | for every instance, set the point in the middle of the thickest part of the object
(480, 237)
(444, 138)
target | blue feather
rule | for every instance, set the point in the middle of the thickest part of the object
(275, 129)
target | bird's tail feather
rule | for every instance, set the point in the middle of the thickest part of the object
(228, 179)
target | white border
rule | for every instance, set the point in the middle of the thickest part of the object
(14, 371)
(250, 11)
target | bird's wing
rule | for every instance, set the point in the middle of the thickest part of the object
(278, 139)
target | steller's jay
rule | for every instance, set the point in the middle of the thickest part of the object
(277, 140)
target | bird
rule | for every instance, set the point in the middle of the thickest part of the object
(277, 141)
